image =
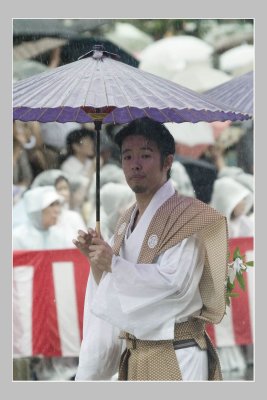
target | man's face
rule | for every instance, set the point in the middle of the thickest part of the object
(142, 166)
(51, 214)
(85, 147)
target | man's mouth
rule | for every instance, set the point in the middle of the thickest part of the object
(137, 177)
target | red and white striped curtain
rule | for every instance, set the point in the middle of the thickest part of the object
(48, 296)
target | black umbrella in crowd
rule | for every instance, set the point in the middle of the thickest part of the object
(202, 175)
(62, 27)
(98, 88)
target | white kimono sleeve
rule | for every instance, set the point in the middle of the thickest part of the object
(141, 297)
(101, 348)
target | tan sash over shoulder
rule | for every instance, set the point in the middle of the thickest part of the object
(179, 218)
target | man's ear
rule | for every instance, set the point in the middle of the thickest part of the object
(75, 147)
(168, 161)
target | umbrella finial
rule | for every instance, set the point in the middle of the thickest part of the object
(98, 53)
(98, 47)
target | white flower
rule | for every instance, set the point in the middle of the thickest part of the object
(234, 268)
(238, 265)
(231, 274)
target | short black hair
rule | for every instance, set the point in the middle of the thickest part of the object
(61, 178)
(151, 130)
(76, 136)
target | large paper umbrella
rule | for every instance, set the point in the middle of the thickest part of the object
(238, 93)
(98, 88)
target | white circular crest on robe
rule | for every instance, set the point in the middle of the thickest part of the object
(121, 228)
(152, 241)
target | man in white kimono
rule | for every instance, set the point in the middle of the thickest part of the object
(159, 279)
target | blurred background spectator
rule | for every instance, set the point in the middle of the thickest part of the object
(45, 229)
(235, 201)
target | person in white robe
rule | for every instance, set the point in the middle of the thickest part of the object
(41, 232)
(115, 199)
(69, 220)
(233, 197)
(145, 300)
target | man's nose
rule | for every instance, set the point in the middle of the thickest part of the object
(136, 166)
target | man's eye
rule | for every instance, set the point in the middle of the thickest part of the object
(126, 157)
(146, 155)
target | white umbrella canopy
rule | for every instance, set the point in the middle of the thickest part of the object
(191, 139)
(238, 60)
(99, 88)
(129, 37)
(200, 77)
(166, 56)
(191, 134)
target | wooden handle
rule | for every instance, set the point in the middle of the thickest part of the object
(97, 228)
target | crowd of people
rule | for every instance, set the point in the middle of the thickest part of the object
(54, 198)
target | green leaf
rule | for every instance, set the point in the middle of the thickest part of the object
(240, 280)
(237, 253)
(232, 294)
(250, 263)
(230, 286)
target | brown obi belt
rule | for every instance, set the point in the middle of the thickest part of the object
(186, 334)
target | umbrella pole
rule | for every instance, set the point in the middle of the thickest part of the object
(98, 128)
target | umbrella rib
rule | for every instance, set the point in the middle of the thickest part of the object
(178, 112)
(167, 84)
(73, 86)
(43, 112)
(95, 65)
(60, 112)
(147, 88)
(117, 80)
(76, 116)
(129, 111)
(26, 111)
(53, 78)
(72, 81)
(162, 112)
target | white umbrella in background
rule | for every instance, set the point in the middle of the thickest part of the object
(33, 48)
(54, 134)
(129, 37)
(200, 77)
(166, 56)
(238, 60)
(191, 134)
(191, 139)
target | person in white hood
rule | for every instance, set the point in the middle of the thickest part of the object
(41, 231)
(43, 208)
(235, 201)
(115, 199)
(69, 220)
